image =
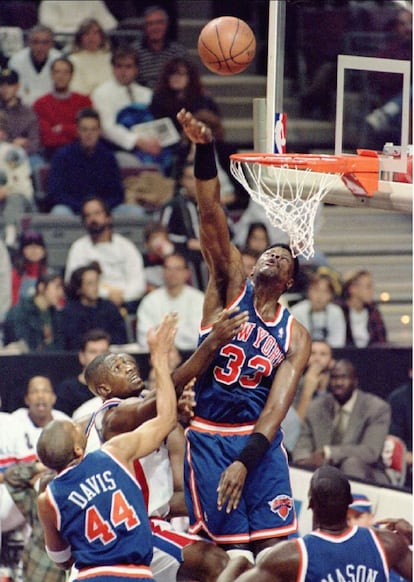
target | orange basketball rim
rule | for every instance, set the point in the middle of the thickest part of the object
(359, 172)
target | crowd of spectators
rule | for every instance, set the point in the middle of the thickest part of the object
(73, 110)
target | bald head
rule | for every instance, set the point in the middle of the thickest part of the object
(329, 495)
(57, 443)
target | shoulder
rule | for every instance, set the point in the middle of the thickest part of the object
(104, 88)
(144, 92)
(81, 242)
(59, 415)
(122, 241)
(19, 57)
(371, 400)
(193, 292)
(80, 98)
(177, 48)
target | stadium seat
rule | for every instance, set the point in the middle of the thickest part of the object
(394, 459)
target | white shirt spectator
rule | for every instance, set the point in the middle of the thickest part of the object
(65, 17)
(328, 325)
(121, 263)
(189, 306)
(33, 84)
(25, 433)
(108, 99)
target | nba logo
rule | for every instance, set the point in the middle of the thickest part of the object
(280, 133)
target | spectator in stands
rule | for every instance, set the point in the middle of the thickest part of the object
(157, 246)
(22, 482)
(315, 380)
(401, 402)
(66, 17)
(322, 318)
(29, 421)
(29, 263)
(257, 239)
(33, 63)
(91, 57)
(155, 48)
(179, 85)
(87, 167)
(174, 296)
(22, 122)
(249, 260)
(85, 310)
(122, 280)
(73, 391)
(5, 285)
(361, 514)
(16, 187)
(364, 323)
(58, 109)
(38, 320)
(122, 103)
(346, 428)
(180, 216)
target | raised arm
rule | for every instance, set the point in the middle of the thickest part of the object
(222, 257)
(150, 435)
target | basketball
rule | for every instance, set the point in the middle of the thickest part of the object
(226, 45)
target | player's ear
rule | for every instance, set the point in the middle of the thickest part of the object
(289, 283)
(103, 390)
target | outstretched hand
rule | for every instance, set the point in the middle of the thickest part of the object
(228, 324)
(161, 340)
(195, 130)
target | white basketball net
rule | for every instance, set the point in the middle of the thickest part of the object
(290, 197)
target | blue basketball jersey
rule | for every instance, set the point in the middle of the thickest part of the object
(235, 387)
(101, 513)
(354, 555)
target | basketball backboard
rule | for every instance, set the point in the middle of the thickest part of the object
(362, 121)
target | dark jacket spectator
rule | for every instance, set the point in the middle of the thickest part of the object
(38, 320)
(85, 310)
(85, 168)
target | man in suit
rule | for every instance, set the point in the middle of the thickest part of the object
(346, 429)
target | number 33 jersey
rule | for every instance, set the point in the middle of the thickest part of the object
(235, 387)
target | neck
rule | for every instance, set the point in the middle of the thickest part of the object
(266, 300)
(156, 45)
(104, 236)
(41, 421)
(88, 302)
(174, 291)
(61, 92)
(336, 528)
(355, 303)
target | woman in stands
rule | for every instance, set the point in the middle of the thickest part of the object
(91, 57)
(29, 262)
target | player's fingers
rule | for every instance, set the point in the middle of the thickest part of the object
(234, 499)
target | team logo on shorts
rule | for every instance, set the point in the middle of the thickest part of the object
(282, 505)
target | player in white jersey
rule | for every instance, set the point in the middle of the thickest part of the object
(114, 377)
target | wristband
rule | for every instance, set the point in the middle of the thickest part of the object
(59, 557)
(205, 162)
(254, 450)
